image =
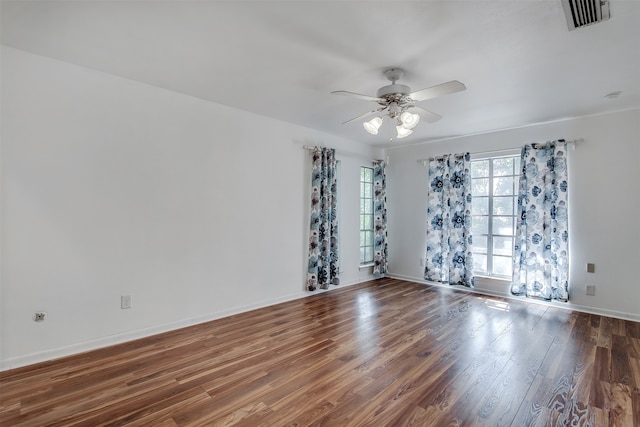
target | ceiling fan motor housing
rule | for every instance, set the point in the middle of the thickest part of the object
(393, 89)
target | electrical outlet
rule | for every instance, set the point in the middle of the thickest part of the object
(591, 290)
(591, 267)
(421, 262)
(39, 316)
(125, 301)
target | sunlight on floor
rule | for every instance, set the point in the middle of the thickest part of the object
(367, 312)
(497, 305)
(367, 306)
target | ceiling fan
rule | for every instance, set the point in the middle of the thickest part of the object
(399, 103)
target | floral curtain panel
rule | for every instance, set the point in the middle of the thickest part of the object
(540, 258)
(380, 251)
(449, 239)
(323, 263)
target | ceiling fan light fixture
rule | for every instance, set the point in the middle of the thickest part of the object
(396, 99)
(373, 125)
(403, 132)
(409, 120)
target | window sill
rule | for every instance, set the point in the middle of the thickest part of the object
(498, 285)
(492, 278)
(365, 266)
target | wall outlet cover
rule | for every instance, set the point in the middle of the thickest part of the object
(125, 301)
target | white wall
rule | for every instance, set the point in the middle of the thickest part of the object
(604, 178)
(111, 187)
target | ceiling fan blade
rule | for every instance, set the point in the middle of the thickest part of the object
(436, 91)
(369, 113)
(426, 115)
(356, 95)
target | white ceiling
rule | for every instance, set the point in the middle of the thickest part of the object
(282, 59)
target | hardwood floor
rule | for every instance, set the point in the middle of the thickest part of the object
(386, 352)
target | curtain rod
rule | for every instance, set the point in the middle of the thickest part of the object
(343, 153)
(573, 143)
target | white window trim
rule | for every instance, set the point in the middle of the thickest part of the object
(496, 154)
(491, 277)
(368, 263)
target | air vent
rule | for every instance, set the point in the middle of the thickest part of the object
(581, 13)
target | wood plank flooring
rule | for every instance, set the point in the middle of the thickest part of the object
(382, 353)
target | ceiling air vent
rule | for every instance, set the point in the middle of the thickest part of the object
(581, 13)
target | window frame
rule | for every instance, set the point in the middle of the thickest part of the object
(366, 219)
(490, 235)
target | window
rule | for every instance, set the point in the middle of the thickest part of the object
(366, 215)
(494, 185)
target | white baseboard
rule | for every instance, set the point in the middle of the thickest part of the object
(58, 352)
(492, 292)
